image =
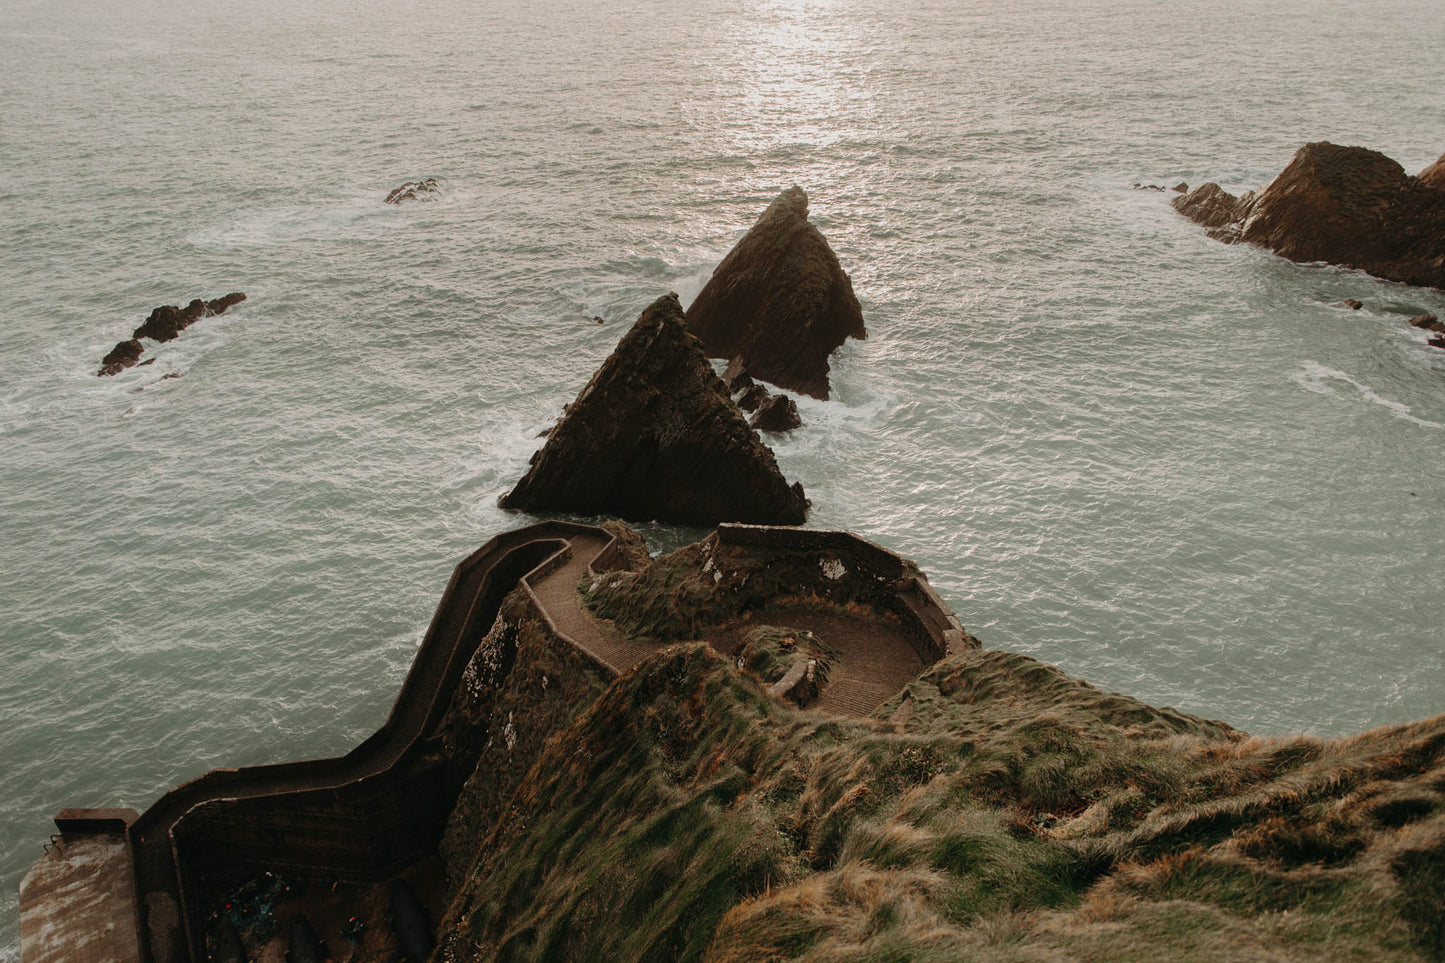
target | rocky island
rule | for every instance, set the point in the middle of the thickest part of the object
(655, 435)
(163, 324)
(779, 304)
(1349, 206)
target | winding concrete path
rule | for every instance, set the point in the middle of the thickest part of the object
(549, 559)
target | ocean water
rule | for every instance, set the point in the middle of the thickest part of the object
(1177, 469)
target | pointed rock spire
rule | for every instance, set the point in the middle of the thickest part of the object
(654, 435)
(779, 302)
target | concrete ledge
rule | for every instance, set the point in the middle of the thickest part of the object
(84, 822)
(77, 902)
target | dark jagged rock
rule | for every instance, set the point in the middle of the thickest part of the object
(122, 356)
(1353, 304)
(753, 397)
(426, 190)
(735, 377)
(168, 321)
(1210, 205)
(778, 413)
(165, 323)
(1344, 205)
(779, 303)
(654, 435)
(1428, 322)
(1180, 188)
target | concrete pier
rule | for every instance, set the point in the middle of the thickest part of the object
(77, 903)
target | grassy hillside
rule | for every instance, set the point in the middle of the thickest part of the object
(1006, 812)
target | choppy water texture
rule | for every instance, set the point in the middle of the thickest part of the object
(1174, 468)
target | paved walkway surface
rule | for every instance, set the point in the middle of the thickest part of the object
(557, 591)
(875, 659)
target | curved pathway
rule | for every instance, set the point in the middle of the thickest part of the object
(549, 560)
(463, 618)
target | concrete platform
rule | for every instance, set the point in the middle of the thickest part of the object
(77, 903)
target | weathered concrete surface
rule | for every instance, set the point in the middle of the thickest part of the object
(77, 904)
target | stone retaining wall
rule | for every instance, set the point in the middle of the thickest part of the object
(896, 583)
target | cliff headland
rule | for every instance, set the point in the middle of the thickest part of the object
(778, 744)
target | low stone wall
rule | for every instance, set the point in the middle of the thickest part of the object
(364, 815)
(895, 584)
(879, 560)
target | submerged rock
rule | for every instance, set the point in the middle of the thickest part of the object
(168, 321)
(654, 435)
(779, 303)
(165, 323)
(427, 190)
(1344, 205)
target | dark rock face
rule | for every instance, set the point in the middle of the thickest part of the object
(165, 323)
(122, 356)
(654, 435)
(427, 190)
(779, 303)
(752, 397)
(778, 413)
(168, 321)
(1211, 206)
(1344, 205)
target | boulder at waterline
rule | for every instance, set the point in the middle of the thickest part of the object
(778, 413)
(654, 435)
(163, 324)
(779, 303)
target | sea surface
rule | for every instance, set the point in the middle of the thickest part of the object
(1177, 469)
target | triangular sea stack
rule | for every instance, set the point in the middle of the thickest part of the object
(1349, 206)
(779, 302)
(654, 435)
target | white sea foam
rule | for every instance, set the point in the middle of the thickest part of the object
(1324, 380)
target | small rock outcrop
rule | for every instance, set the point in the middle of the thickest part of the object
(778, 413)
(123, 355)
(654, 435)
(165, 323)
(427, 190)
(779, 303)
(1343, 205)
